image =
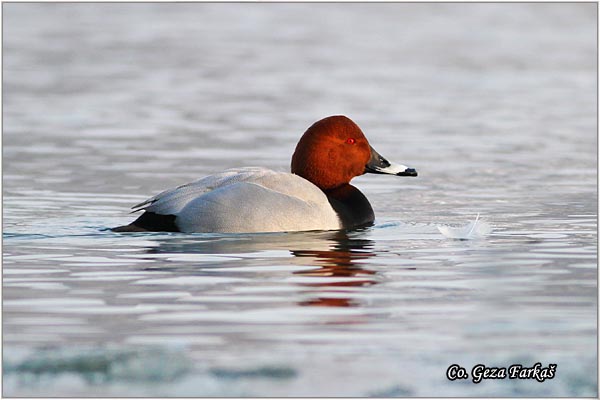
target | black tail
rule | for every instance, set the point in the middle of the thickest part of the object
(150, 222)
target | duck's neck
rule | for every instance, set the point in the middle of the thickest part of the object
(351, 205)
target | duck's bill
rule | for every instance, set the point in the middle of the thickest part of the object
(379, 165)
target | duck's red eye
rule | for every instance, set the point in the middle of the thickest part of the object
(350, 141)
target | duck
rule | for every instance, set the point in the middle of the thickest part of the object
(315, 195)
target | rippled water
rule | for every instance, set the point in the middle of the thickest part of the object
(107, 104)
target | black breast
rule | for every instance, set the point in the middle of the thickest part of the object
(351, 205)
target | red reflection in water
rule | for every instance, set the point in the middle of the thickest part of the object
(339, 261)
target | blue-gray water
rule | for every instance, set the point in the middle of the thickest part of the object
(107, 104)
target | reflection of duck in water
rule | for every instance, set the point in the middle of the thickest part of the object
(334, 254)
(338, 261)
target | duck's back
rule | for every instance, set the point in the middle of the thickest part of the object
(245, 200)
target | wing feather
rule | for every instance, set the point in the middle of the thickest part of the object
(171, 201)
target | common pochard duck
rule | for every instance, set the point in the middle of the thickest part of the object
(316, 195)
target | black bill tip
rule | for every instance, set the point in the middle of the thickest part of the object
(408, 172)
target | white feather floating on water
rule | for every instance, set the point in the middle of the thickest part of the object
(473, 230)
